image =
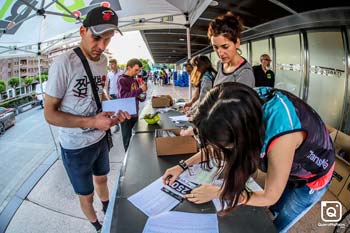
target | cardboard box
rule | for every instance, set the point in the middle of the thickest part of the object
(162, 101)
(342, 165)
(175, 145)
(341, 140)
(340, 175)
(344, 195)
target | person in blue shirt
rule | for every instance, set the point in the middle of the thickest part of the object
(245, 129)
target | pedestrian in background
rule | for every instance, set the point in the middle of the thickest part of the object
(129, 87)
(264, 76)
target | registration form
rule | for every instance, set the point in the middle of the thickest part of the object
(125, 104)
(180, 222)
(151, 200)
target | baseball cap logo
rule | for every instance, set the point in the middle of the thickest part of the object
(107, 15)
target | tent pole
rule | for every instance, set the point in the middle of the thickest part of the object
(188, 53)
(19, 76)
(42, 95)
(39, 71)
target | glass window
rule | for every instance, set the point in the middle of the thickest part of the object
(258, 48)
(288, 68)
(244, 49)
(327, 76)
(214, 59)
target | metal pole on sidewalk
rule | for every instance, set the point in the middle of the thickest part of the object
(188, 53)
(42, 95)
(19, 76)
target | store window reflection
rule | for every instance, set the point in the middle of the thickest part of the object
(244, 49)
(288, 67)
(327, 76)
(259, 47)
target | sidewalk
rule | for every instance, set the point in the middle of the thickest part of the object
(52, 206)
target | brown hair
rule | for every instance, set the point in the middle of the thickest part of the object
(227, 25)
(132, 62)
(113, 61)
(231, 130)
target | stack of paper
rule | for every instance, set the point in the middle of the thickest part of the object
(151, 200)
(179, 118)
(156, 204)
(179, 222)
(126, 105)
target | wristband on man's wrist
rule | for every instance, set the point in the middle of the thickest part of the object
(183, 165)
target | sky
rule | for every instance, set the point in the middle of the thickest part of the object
(131, 45)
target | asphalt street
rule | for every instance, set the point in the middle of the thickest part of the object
(22, 148)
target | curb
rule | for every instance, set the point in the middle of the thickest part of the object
(11, 208)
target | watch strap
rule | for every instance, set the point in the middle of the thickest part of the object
(183, 164)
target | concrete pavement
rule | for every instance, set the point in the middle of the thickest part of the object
(51, 206)
(23, 147)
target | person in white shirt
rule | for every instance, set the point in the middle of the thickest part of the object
(112, 83)
(70, 104)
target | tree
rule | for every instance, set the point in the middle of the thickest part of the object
(145, 65)
(14, 82)
(2, 86)
(44, 77)
(28, 81)
(122, 66)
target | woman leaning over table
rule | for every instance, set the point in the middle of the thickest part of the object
(202, 77)
(243, 129)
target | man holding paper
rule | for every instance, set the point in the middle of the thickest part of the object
(129, 87)
(72, 102)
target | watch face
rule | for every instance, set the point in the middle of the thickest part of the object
(183, 164)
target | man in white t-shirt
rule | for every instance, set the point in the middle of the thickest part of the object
(70, 104)
(113, 75)
(112, 83)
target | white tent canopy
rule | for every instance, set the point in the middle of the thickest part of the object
(33, 27)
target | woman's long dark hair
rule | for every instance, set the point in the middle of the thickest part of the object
(231, 130)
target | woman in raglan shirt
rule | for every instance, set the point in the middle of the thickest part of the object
(267, 128)
(224, 34)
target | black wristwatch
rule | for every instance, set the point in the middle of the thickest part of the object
(195, 131)
(183, 164)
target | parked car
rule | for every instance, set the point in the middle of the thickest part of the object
(7, 118)
(40, 94)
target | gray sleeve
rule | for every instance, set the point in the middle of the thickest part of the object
(246, 77)
(57, 81)
(206, 85)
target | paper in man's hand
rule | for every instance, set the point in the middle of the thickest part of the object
(125, 105)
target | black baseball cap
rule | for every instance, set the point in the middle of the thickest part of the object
(101, 19)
